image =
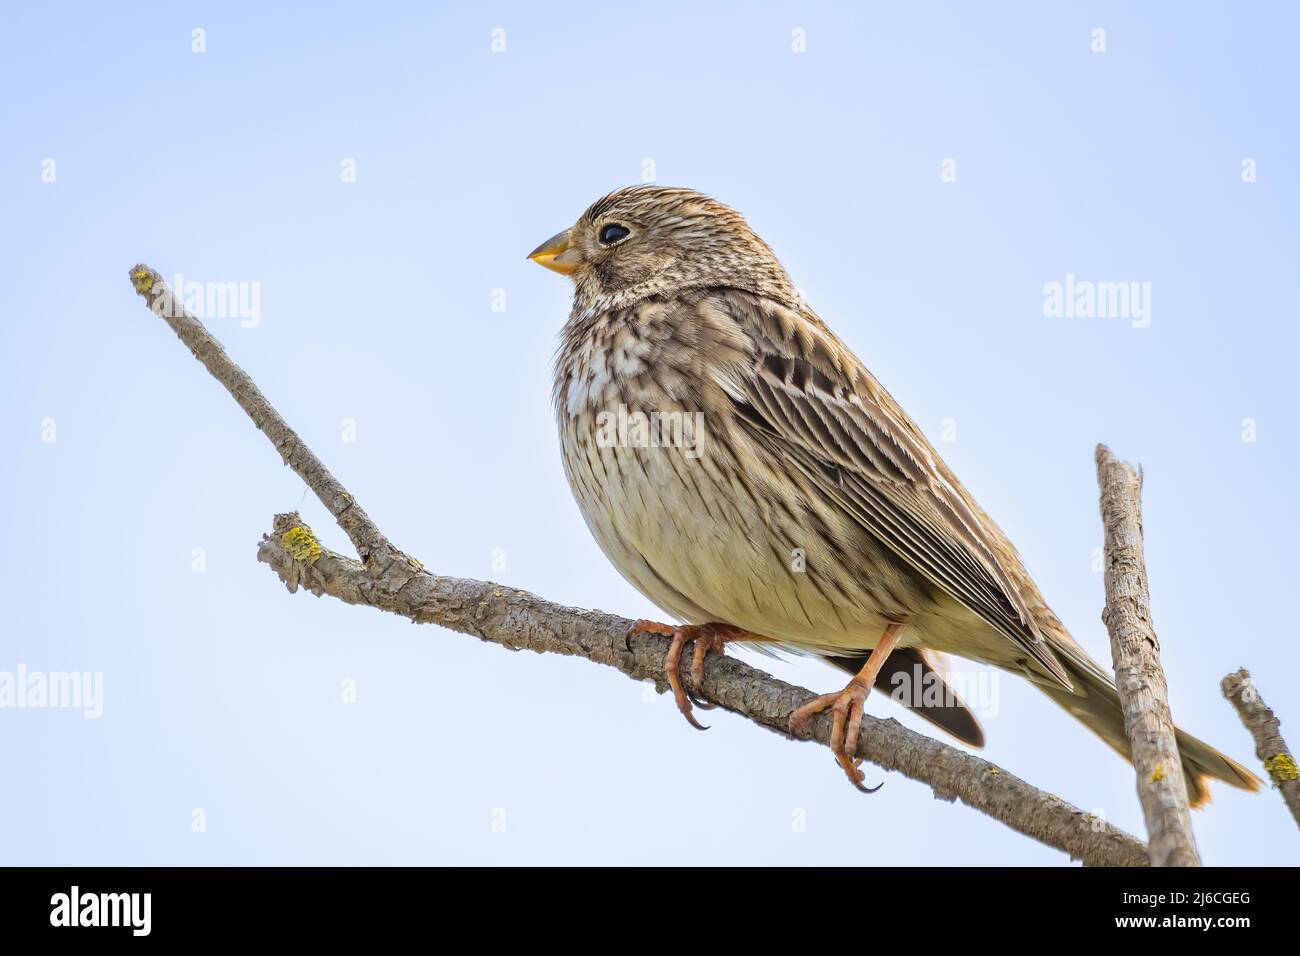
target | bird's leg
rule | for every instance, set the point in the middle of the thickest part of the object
(707, 637)
(846, 706)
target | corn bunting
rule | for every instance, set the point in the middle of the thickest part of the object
(741, 468)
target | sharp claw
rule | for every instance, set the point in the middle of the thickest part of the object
(704, 639)
(857, 777)
(690, 719)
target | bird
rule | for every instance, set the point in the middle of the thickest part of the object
(743, 469)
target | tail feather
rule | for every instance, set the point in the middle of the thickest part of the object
(1094, 702)
(911, 676)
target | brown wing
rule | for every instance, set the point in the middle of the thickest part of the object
(813, 403)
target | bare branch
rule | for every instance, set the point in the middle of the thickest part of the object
(1138, 675)
(361, 531)
(392, 581)
(1270, 748)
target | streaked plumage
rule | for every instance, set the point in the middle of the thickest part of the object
(816, 514)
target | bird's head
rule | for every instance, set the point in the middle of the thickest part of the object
(644, 241)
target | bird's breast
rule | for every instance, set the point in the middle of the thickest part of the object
(700, 520)
(595, 376)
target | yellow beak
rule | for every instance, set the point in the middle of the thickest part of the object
(557, 254)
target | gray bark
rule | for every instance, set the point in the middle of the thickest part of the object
(1264, 726)
(1138, 675)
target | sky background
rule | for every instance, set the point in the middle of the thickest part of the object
(224, 694)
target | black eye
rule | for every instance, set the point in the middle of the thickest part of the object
(612, 234)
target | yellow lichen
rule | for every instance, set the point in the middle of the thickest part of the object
(1282, 767)
(1158, 773)
(302, 544)
(142, 279)
(994, 770)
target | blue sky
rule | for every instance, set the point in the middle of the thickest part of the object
(381, 337)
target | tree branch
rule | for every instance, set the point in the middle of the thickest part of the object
(1138, 675)
(1278, 760)
(390, 580)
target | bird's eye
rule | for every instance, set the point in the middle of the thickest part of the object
(613, 233)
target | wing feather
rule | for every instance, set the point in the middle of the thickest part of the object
(810, 401)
